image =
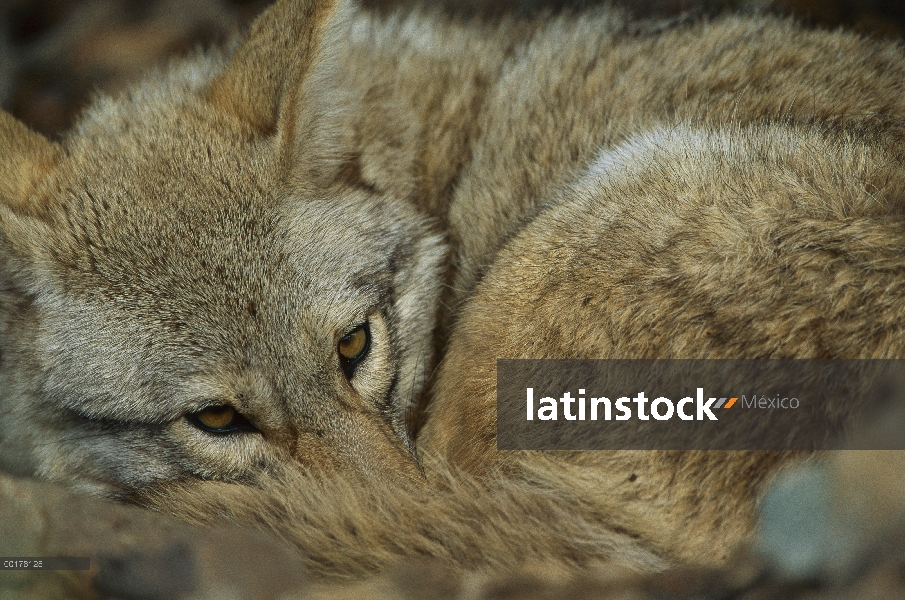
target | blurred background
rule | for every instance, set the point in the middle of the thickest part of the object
(54, 54)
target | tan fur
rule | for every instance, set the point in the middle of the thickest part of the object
(607, 189)
(712, 277)
(27, 157)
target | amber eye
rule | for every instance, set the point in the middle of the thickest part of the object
(220, 419)
(353, 348)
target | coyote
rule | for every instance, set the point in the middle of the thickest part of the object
(226, 290)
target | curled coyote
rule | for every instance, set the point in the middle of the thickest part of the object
(225, 291)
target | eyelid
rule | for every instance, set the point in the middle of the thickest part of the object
(197, 406)
(370, 312)
(361, 318)
(351, 329)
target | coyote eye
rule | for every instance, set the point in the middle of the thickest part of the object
(220, 419)
(353, 348)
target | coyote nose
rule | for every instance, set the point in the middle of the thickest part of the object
(360, 442)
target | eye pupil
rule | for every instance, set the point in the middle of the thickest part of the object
(353, 347)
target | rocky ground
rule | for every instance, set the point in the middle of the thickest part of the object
(832, 531)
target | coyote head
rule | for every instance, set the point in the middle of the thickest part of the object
(193, 284)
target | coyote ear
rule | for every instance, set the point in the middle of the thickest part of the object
(24, 158)
(274, 61)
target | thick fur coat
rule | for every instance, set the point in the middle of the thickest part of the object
(572, 187)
